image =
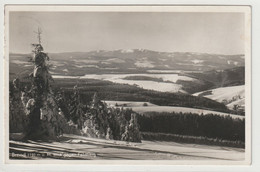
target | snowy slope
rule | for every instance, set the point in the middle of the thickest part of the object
(72, 147)
(240, 102)
(228, 95)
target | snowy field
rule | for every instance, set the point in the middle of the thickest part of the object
(240, 102)
(72, 147)
(225, 93)
(163, 86)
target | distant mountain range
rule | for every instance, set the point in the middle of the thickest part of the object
(133, 61)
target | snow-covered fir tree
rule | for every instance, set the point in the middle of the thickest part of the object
(134, 133)
(44, 119)
(96, 124)
(76, 109)
(17, 117)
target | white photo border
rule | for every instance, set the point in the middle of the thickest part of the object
(248, 92)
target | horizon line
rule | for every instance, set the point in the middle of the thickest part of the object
(140, 49)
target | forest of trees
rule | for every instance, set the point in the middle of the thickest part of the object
(209, 125)
(94, 119)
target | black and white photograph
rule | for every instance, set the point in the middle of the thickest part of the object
(128, 84)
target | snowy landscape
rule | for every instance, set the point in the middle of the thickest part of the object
(126, 86)
(217, 85)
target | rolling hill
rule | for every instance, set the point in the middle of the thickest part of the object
(231, 96)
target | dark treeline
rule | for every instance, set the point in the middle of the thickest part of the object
(211, 126)
(192, 139)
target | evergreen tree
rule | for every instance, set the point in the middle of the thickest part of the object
(97, 122)
(76, 109)
(17, 117)
(109, 134)
(63, 105)
(125, 135)
(134, 133)
(44, 120)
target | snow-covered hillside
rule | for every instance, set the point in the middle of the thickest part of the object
(234, 95)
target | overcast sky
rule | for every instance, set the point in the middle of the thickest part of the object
(218, 33)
